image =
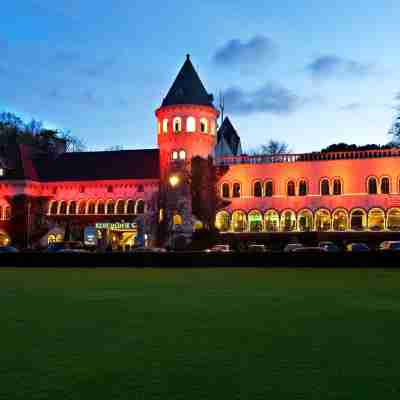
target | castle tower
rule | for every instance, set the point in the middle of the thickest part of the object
(186, 128)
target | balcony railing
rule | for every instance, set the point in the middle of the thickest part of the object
(317, 156)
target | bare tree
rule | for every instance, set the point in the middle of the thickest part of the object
(271, 148)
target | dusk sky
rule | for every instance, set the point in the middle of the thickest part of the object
(310, 73)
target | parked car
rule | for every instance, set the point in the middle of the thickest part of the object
(149, 250)
(66, 247)
(256, 248)
(310, 250)
(219, 248)
(8, 249)
(357, 247)
(330, 247)
(291, 246)
(390, 245)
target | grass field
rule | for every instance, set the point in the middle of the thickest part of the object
(199, 334)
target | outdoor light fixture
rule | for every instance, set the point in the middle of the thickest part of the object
(174, 180)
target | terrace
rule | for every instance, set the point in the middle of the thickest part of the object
(315, 156)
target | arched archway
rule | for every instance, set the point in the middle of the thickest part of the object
(288, 221)
(239, 221)
(358, 219)
(121, 207)
(393, 219)
(271, 221)
(305, 220)
(376, 219)
(130, 207)
(255, 221)
(222, 221)
(140, 207)
(322, 220)
(340, 220)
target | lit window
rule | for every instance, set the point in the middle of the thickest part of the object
(158, 127)
(177, 124)
(203, 125)
(191, 124)
(182, 155)
(174, 155)
(1, 171)
(177, 220)
(165, 125)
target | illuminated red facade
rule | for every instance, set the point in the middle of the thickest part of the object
(42, 197)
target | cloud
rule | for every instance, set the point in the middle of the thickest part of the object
(270, 98)
(332, 66)
(351, 107)
(235, 52)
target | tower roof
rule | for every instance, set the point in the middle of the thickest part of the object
(188, 88)
(229, 134)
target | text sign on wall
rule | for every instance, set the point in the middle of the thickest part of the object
(116, 225)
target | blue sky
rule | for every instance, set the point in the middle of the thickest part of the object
(306, 72)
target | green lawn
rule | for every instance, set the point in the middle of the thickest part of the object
(199, 334)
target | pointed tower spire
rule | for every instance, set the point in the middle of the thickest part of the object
(188, 88)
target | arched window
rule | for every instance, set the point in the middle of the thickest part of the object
(174, 155)
(182, 155)
(110, 207)
(165, 125)
(288, 221)
(322, 220)
(325, 187)
(236, 190)
(340, 220)
(177, 124)
(337, 187)
(385, 185)
(376, 219)
(72, 208)
(291, 188)
(302, 188)
(54, 208)
(257, 190)
(101, 209)
(372, 185)
(203, 125)
(63, 207)
(269, 189)
(158, 127)
(7, 213)
(140, 206)
(191, 124)
(255, 221)
(239, 221)
(91, 207)
(130, 208)
(225, 190)
(271, 221)
(82, 207)
(120, 207)
(358, 219)
(305, 221)
(222, 221)
(393, 219)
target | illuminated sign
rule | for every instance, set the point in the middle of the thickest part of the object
(90, 236)
(116, 225)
